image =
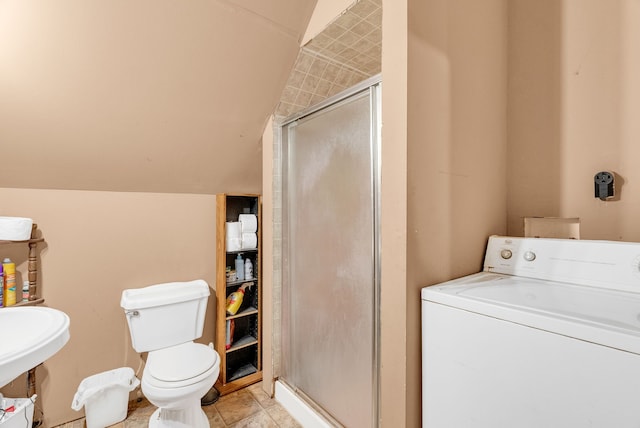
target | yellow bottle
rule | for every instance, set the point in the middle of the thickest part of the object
(9, 282)
(234, 301)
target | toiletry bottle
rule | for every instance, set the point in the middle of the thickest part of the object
(9, 282)
(230, 330)
(239, 268)
(1, 286)
(234, 301)
(25, 291)
(248, 268)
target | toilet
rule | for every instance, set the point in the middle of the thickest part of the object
(164, 320)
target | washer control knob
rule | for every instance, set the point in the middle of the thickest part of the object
(529, 256)
(506, 254)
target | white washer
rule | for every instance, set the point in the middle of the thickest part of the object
(548, 335)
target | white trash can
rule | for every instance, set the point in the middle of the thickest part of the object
(20, 412)
(105, 396)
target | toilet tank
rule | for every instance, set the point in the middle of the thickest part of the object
(165, 315)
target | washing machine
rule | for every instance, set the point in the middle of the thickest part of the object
(547, 335)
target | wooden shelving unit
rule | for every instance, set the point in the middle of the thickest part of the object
(241, 364)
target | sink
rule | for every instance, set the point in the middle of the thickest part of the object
(31, 334)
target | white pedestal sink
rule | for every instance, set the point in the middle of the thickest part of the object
(32, 334)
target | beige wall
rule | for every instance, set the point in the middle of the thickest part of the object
(267, 259)
(456, 151)
(96, 245)
(574, 97)
(147, 96)
(393, 216)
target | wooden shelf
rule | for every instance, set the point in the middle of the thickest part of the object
(245, 312)
(243, 251)
(232, 283)
(241, 364)
(243, 342)
(28, 303)
(27, 241)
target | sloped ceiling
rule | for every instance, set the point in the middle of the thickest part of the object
(143, 95)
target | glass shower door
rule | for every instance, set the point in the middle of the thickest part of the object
(329, 243)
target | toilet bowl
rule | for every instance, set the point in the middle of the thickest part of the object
(164, 320)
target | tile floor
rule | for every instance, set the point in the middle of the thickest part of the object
(250, 407)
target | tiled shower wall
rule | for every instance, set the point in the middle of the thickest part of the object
(346, 52)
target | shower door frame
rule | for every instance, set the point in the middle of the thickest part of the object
(372, 85)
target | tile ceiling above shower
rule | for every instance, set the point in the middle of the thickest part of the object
(346, 52)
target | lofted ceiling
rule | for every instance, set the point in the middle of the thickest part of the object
(144, 95)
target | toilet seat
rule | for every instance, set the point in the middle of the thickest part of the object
(180, 365)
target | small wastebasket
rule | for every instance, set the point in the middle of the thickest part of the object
(105, 396)
(16, 412)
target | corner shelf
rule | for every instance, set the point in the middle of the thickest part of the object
(241, 364)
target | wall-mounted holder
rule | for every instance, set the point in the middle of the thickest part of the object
(604, 185)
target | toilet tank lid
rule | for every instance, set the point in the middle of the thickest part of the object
(164, 294)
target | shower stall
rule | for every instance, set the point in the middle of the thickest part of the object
(329, 295)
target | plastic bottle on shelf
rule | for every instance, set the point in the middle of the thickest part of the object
(234, 301)
(25, 291)
(229, 333)
(9, 282)
(1, 286)
(248, 269)
(239, 268)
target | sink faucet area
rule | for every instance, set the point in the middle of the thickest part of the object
(43, 332)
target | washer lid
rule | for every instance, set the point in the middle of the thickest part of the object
(597, 315)
(180, 362)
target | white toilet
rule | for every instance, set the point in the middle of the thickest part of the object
(164, 320)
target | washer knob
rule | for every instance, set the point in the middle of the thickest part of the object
(506, 254)
(529, 256)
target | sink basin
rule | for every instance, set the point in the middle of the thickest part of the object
(31, 334)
